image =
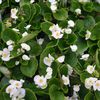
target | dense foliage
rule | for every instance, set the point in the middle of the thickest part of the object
(50, 50)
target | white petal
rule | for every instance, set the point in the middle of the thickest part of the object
(61, 59)
(25, 57)
(74, 48)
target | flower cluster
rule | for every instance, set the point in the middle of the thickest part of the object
(92, 82)
(5, 53)
(41, 81)
(53, 5)
(15, 90)
(54, 45)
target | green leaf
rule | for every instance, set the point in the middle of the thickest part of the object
(38, 8)
(28, 37)
(89, 22)
(79, 26)
(48, 16)
(71, 39)
(5, 4)
(82, 45)
(9, 34)
(54, 81)
(45, 27)
(71, 59)
(84, 75)
(30, 95)
(4, 96)
(21, 26)
(36, 49)
(11, 63)
(95, 32)
(88, 7)
(98, 44)
(74, 5)
(34, 9)
(1, 27)
(61, 14)
(52, 44)
(4, 82)
(27, 11)
(64, 69)
(98, 58)
(55, 94)
(30, 69)
(97, 95)
(89, 96)
(96, 7)
(63, 45)
(23, 2)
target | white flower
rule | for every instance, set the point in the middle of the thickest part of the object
(89, 82)
(22, 81)
(13, 13)
(75, 96)
(49, 70)
(49, 73)
(98, 1)
(17, 63)
(70, 69)
(5, 55)
(22, 93)
(32, 1)
(56, 31)
(17, 0)
(53, 8)
(48, 76)
(40, 81)
(0, 1)
(24, 34)
(15, 90)
(40, 41)
(25, 46)
(84, 0)
(52, 1)
(15, 29)
(73, 48)
(18, 84)
(88, 34)
(71, 23)
(10, 47)
(8, 23)
(57, 35)
(96, 85)
(68, 30)
(15, 83)
(76, 88)
(90, 69)
(85, 57)
(61, 59)
(55, 28)
(9, 89)
(10, 42)
(78, 11)
(48, 60)
(65, 80)
(25, 57)
(53, 5)
(27, 27)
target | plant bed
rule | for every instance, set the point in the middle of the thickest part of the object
(49, 50)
